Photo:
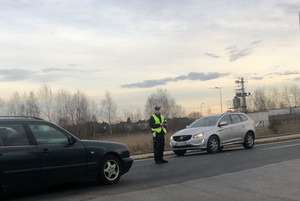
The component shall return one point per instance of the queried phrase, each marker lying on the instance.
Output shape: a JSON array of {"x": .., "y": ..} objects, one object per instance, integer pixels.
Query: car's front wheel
[
  {"x": 221, "y": 148},
  {"x": 213, "y": 145},
  {"x": 179, "y": 152},
  {"x": 109, "y": 170},
  {"x": 249, "y": 141}
]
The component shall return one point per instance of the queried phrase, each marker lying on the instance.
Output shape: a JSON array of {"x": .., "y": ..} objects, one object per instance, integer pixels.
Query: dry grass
[
  {"x": 140, "y": 143},
  {"x": 285, "y": 128}
]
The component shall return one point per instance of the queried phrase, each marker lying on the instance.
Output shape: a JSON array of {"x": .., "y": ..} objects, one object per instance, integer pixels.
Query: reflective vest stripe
[{"x": 156, "y": 119}]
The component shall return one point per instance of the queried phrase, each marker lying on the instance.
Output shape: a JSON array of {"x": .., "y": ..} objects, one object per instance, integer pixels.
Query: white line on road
[
  {"x": 292, "y": 145},
  {"x": 280, "y": 142}
]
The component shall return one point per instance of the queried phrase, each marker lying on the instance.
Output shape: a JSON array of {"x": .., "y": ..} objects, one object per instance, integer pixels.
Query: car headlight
[
  {"x": 199, "y": 135},
  {"x": 171, "y": 138}
]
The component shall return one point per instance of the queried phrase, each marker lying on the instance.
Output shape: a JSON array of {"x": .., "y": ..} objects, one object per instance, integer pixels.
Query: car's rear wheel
[
  {"x": 248, "y": 141},
  {"x": 213, "y": 145},
  {"x": 179, "y": 152},
  {"x": 109, "y": 170}
]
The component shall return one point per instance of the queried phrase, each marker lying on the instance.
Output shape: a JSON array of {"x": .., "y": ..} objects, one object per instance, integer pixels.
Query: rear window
[
  {"x": 13, "y": 135},
  {"x": 236, "y": 118},
  {"x": 243, "y": 117}
]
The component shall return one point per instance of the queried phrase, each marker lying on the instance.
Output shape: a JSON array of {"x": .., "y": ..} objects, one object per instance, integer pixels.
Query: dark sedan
[{"x": 34, "y": 152}]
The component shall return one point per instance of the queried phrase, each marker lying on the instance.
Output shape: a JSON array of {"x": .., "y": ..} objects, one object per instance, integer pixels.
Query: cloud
[
  {"x": 212, "y": 55},
  {"x": 49, "y": 70},
  {"x": 75, "y": 65},
  {"x": 236, "y": 53},
  {"x": 286, "y": 73},
  {"x": 15, "y": 74},
  {"x": 289, "y": 7},
  {"x": 257, "y": 78},
  {"x": 190, "y": 76},
  {"x": 46, "y": 74},
  {"x": 256, "y": 42},
  {"x": 42, "y": 75}
]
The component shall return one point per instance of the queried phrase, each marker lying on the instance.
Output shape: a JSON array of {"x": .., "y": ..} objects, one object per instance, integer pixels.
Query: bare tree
[
  {"x": 31, "y": 105},
  {"x": 15, "y": 105},
  {"x": 94, "y": 116},
  {"x": 2, "y": 107},
  {"x": 80, "y": 103},
  {"x": 295, "y": 92},
  {"x": 64, "y": 110},
  {"x": 286, "y": 96},
  {"x": 260, "y": 99},
  {"x": 133, "y": 113},
  {"x": 194, "y": 115},
  {"x": 46, "y": 101},
  {"x": 81, "y": 107},
  {"x": 273, "y": 99},
  {"x": 108, "y": 109},
  {"x": 177, "y": 111},
  {"x": 168, "y": 105}
]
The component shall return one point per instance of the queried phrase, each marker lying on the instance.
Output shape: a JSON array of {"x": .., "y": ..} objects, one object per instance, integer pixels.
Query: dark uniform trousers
[{"x": 158, "y": 146}]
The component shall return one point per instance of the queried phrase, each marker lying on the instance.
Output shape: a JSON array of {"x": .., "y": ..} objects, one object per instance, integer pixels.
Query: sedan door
[
  {"x": 19, "y": 160},
  {"x": 61, "y": 160}
]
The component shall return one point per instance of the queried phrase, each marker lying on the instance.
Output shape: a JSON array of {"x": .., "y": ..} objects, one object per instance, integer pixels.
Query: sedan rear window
[{"x": 13, "y": 135}]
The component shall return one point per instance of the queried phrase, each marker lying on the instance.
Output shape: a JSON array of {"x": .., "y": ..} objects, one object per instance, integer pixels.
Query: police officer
[{"x": 158, "y": 127}]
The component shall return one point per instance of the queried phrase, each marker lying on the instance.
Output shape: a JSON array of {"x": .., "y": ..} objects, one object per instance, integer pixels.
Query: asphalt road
[{"x": 267, "y": 172}]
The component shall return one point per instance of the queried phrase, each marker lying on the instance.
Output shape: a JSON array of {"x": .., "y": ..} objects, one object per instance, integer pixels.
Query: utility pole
[
  {"x": 244, "y": 106},
  {"x": 201, "y": 109},
  {"x": 220, "y": 97},
  {"x": 240, "y": 93}
]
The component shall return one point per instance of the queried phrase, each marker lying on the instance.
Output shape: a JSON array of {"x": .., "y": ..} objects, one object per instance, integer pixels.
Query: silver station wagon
[{"x": 213, "y": 132}]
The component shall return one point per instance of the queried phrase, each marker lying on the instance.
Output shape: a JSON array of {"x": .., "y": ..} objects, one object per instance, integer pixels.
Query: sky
[{"x": 130, "y": 48}]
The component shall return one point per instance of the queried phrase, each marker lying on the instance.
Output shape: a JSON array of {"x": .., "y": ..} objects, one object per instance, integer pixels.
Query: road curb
[{"x": 258, "y": 141}]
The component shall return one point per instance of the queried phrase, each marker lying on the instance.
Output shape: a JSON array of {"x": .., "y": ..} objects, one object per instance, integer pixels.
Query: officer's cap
[{"x": 157, "y": 107}]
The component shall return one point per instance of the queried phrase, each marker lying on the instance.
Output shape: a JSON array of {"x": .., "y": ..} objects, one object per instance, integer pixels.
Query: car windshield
[{"x": 205, "y": 122}]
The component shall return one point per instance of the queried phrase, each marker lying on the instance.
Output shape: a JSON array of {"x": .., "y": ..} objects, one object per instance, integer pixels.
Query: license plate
[{"x": 178, "y": 144}]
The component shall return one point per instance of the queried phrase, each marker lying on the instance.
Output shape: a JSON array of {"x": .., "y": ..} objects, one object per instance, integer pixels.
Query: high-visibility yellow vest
[{"x": 156, "y": 119}]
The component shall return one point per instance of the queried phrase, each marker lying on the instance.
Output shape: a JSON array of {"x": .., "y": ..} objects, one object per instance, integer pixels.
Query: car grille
[{"x": 182, "y": 138}]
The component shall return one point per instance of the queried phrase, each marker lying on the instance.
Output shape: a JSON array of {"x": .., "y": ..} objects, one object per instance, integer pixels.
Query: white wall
[{"x": 262, "y": 117}]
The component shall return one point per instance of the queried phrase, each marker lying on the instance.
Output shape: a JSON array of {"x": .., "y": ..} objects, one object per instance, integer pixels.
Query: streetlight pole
[{"x": 220, "y": 97}]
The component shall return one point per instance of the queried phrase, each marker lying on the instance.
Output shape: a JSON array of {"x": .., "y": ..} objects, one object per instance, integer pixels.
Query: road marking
[
  {"x": 280, "y": 142},
  {"x": 292, "y": 145}
]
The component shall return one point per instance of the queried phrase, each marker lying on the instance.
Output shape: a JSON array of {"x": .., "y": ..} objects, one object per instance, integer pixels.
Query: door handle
[{"x": 45, "y": 151}]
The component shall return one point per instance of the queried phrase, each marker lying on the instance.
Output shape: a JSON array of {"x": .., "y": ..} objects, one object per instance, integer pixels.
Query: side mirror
[
  {"x": 223, "y": 123},
  {"x": 187, "y": 126},
  {"x": 72, "y": 140}
]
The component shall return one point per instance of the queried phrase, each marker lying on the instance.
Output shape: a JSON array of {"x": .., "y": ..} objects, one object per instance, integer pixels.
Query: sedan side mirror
[
  {"x": 72, "y": 140},
  {"x": 223, "y": 123}
]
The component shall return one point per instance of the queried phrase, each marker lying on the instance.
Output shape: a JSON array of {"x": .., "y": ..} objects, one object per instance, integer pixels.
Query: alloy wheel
[{"x": 111, "y": 170}]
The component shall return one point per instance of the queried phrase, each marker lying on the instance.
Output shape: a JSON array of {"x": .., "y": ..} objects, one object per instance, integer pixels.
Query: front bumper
[
  {"x": 190, "y": 144},
  {"x": 126, "y": 164}
]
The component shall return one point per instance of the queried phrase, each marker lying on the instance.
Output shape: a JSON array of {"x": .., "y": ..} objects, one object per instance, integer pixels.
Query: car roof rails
[{"x": 21, "y": 117}]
